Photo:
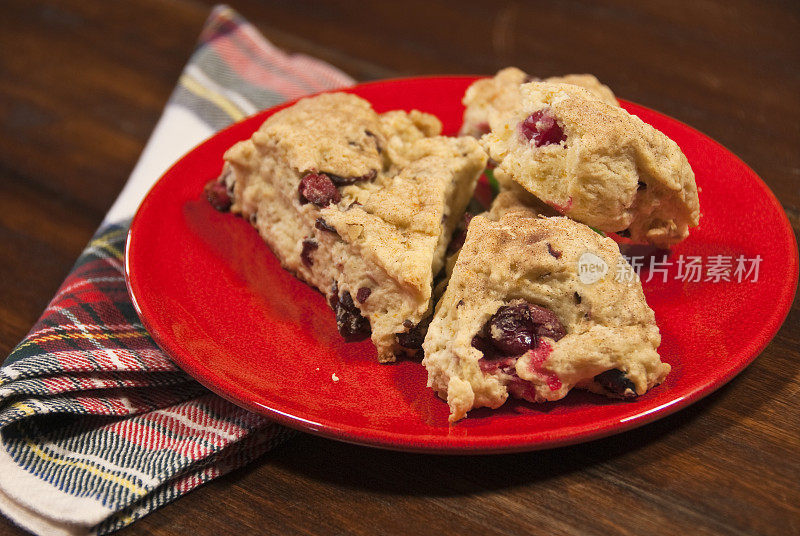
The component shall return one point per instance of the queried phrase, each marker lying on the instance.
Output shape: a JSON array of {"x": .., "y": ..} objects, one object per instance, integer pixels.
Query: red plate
[{"x": 214, "y": 297}]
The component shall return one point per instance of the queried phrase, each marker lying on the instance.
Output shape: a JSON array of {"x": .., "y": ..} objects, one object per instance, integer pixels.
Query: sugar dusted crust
[
  {"x": 608, "y": 323},
  {"x": 402, "y": 188},
  {"x": 500, "y": 94},
  {"x": 612, "y": 171}
]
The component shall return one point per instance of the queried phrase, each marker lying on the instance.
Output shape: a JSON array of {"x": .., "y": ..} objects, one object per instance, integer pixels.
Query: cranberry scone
[
  {"x": 359, "y": 205},
  {"x": 500, "y": 94},
  {"x": 596, "y": 163},
  {"x": 521, "y": 317}
]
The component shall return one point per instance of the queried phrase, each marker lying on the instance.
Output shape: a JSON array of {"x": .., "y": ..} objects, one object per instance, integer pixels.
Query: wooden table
[{"x": 83, "y": 83}]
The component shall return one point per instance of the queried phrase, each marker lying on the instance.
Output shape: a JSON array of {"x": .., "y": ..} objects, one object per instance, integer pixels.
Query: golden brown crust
[
  {"x": 609, "y": 325},
  {"x": 500, "y": 94},
  {"x": 389, "y": 231},
  {"x": 613, "y": 172}
]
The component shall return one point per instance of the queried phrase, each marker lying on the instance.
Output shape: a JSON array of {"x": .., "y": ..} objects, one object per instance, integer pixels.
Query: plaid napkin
[{"x": 97, "y": 426}]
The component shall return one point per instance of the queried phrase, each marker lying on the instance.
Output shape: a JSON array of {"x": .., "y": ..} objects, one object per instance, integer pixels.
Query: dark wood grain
[{"x": 83, "y": 83}]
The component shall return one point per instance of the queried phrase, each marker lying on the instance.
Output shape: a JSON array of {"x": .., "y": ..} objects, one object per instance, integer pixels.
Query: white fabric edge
[{"x": 75, "y": 515}]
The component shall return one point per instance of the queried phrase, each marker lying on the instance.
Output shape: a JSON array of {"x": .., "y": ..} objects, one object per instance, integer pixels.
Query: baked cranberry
[
  {"x": 542, "y": 128},
  {"x": 362, "y": 294},
  {"x": 318, "y": 189},
  {"x": 515, "y": 329},
  {"x": 616, "y": 382},
  {"x": 511, "y": 330},
  {"x": 546, "y": 323},
  {"x": 342, "y": 181},
  {"x": 322, "y": 225},
  {"x": 309, "y": 247},
  {"x": 460, "y": 236},
  {"x": 414, "y": 337},
  {"x": 217, "y": 194},
  {"x": 352, "y": 326},
  {"x": 504, "y": 364},
  {"x": 641, "y": 185},
  {"x": 554, "y": 252},
  {"x": 482, "y": 344},
  {"x": 334, "y": 299}
]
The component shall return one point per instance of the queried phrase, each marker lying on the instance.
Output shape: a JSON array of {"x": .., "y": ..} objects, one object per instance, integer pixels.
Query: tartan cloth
[{"x": 97, "y": 426}]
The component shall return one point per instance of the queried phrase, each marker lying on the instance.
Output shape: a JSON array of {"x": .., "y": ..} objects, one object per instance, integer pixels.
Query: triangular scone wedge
[
  {"x": 500, "y": 94},
  {"x": 536, "y": 306},
  {"x": 595, "y": 163},
  {"x": 361, "y": 206}
]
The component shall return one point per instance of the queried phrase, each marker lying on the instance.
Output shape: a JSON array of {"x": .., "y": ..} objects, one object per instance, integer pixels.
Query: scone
[
  {"x": 595, "y": 163},
  {"x": 501, "y": 94},
  {"x": 536, "y": 306},
  {"x": 359, "y": 205}
]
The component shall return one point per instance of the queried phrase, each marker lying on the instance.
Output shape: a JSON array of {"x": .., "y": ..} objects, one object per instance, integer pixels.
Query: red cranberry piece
[
  {"x": 352, "y": 326},
  {"x": 505, "y": 365},
  {"x": 546, "y": 323},
  {"x": 318, "y": 189},
  {"x": 217, "y": 194},
  {"x": 511, "y": 330},
  {"x": 554, "y": 252},
  {"x": 309, "y": 247},
  {"x": 414, "y": 337},
  {"x": 362, "y": 294},
  {"x": 542, "y": 128},
  {"x": 616, "y": 382}
]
